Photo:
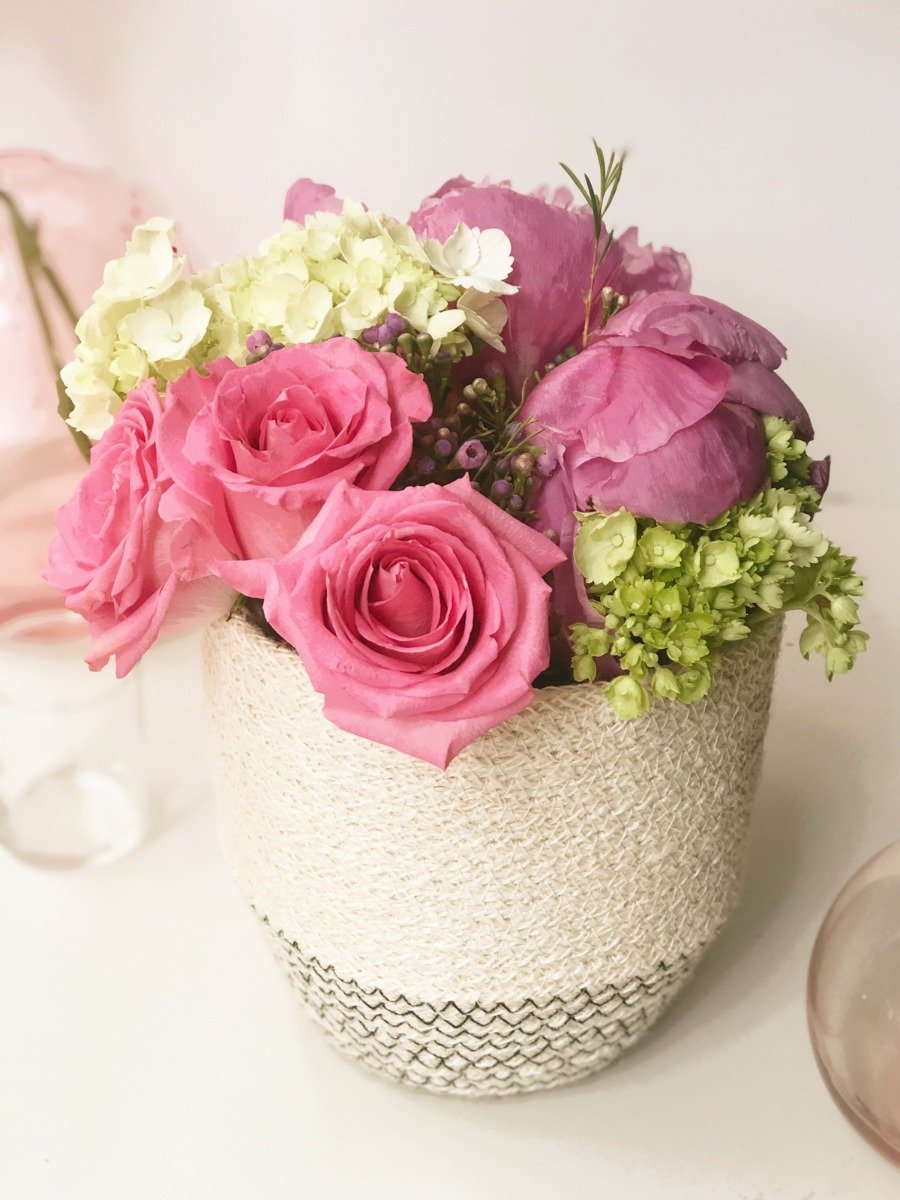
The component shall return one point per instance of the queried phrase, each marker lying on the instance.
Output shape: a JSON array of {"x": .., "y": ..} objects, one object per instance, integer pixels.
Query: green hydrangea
[
  {"x": 682, "y": 593},
  {"x": 605, "y": 545}
]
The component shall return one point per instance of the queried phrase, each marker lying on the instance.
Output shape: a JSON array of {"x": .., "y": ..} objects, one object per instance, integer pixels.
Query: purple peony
[
  {"x": 659, "y": 415},
  {"x": 552, "y": 246}
]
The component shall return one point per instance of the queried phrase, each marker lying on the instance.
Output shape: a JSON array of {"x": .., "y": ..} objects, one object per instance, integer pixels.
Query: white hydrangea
[
  {"x": 339, "y": 273},
  {"x": 146, "y": 320},
  {"x": 170, "y": 325}
]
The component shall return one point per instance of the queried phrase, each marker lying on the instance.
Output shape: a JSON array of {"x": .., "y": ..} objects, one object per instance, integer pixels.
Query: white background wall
[
  {"x": 763, "y": 139},
  {"x": 764, "y": 143}
]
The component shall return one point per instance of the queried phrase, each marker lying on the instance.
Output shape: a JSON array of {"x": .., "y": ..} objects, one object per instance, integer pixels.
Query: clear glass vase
[{"x": 73, "y": 785}]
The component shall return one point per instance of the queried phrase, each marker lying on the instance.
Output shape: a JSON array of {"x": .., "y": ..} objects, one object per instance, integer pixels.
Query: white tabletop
[{"x": 150, "y": 1050}]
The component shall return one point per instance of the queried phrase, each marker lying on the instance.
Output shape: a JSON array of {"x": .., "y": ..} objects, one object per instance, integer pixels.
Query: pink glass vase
[{"x": 853, "y": 1000}]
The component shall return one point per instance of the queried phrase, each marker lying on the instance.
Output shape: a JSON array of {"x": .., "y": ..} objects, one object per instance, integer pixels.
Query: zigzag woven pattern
[
  {"x": 476, "y": 1051},
  {"x": 562, "y": 855}
]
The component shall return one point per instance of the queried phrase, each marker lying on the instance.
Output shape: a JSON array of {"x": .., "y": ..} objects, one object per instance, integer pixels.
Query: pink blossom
[
  {"x": 420, "y": 615},
  {"x": 553, "y": 247},
  {"x": 128, "y": 572},
  {"x": 659, "y": 415},
  {"x": 687, "y": 325},
  {"x": 643, "y": 270},
  {"x": 261, "y": 447},
  {"x": 305, "y": 197}
]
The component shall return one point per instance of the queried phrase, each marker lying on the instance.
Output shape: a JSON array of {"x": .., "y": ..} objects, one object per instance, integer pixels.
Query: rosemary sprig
[{"x": 598, "y": 199}]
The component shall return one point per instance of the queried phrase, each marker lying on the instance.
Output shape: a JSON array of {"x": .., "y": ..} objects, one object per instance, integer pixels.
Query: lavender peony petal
[
  {"x": 681, "y": 323},
  {"x": 758, "y": 388},
  {"x": 644, "y": 270},
  {"x": 699, "y": 473},
  {"x": 450, "y": 187},
  {"x": 622, "y": 400},
  {"x": 552, "y": 244},
  {"x": 305, "y": 197},
  {"x": 820, "y": 474},
  {"x": 552, "y": 247}
]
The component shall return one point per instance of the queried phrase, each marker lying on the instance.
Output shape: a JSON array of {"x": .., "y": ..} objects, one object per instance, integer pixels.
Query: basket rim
[{"x": 768, "y": 628}]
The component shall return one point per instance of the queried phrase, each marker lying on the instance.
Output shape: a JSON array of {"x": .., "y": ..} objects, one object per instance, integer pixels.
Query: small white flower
[
  {"x": 485, "y": 316},
  {"x": 445, "y": 322},
  {"x": 94, "y": 404},
  {"x": 364, "y": 306},
  {"x": 474, "y": 258},
  {"x": 149, "y": 266},
  {"x": 264, "y": 303},
  {"x": 169, "y": 327},
  {"x": 308, "y": 313}
]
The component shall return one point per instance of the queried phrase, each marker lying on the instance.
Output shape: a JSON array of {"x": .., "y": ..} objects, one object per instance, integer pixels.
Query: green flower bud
[
  {"x": 628, "y": 697},
  {"x": 634, "y": 657},
  {"x": 797, "y": 526},
  {"x": 852, "y": 585},
  {"x": 636, "y": 597},
  {"x": 589, "y": 642},
  {"x": 838, "y": 660},
  {"x": 693, "y": 684},
  {"x": 734, "y": 631},
  {"x": 844, "y": 610},
  {"x": 813, "y": 640},
  {"x": 660, "y": 549},
  {"x": 657, "y": 639},
  {"x": 770, "y": 597},
  {"x": 584, "y": 669},
  {"x": 604, "y": 545},
  {"x": 665, "y": 684},
  {"x": 688, "y": 650},
  {"x": 717, "y": 563},
  {"x": 757, "y": 525},
  {"x": 856, "y": 642},
  {"x": 668, "y": 603}
]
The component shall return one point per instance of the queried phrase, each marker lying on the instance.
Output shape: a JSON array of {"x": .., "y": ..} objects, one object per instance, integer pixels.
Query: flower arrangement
[{"x": 449, "y": 461}]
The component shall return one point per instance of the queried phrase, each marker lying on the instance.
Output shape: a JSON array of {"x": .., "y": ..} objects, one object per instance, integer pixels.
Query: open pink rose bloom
[
  {"x": 421, "y": 615},
  {"x": 404, "y": 488}
]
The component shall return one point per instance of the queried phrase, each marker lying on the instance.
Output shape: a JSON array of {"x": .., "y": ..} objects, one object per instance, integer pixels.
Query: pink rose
[
  {"x": 263, "y": 446},
  {"x": 552, "y": 246},
  {"x": 659, "y": 415},
  {"x": 128, "y": 572},
  {"x": 420, "y": 615}
]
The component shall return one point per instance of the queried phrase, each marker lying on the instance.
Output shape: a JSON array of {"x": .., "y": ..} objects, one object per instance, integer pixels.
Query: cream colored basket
[{"x": 514, "y": 922}]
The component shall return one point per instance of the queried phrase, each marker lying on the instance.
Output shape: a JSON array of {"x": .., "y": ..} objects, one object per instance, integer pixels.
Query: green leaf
[{"x": 579, "y": 185}]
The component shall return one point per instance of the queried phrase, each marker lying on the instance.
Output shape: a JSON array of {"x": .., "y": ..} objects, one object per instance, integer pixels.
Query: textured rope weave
[
  {"x": 474, "y": 1051},
  {"x": 564, "y": 863}
]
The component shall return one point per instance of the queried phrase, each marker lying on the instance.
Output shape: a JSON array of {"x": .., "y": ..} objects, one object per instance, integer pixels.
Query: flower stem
[
  {"x": 34, "y": 265},
  {"x": 589, "y": 296}
]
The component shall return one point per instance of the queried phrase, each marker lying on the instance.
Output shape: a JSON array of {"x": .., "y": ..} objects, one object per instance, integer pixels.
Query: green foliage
[
  {"x": 598, "y": 198},
  {"x": 672, "y": 596},
  {"x": 488, "y": 415}
]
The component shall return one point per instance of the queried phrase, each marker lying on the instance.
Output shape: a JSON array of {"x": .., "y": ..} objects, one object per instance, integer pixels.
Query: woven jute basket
[{"x": 510, "y": 924}]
